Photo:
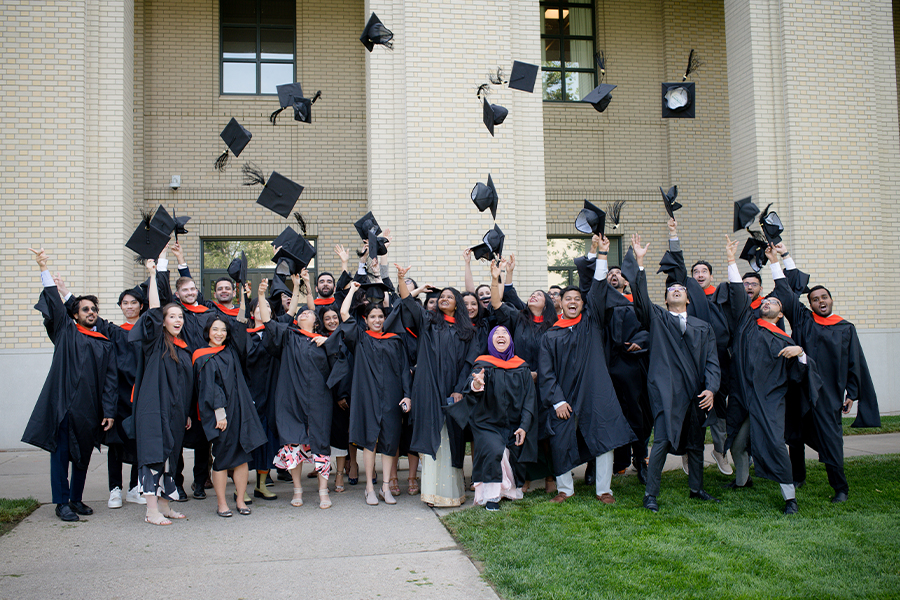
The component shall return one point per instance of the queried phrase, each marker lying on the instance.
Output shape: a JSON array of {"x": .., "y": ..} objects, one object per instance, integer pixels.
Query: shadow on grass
[{"x": 741, "y": 548}]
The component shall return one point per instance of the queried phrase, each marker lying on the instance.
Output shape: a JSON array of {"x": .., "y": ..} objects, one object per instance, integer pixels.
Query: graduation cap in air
[
  {"x": 590, "y": 220},
  {"x": 491, "y": 246},
  {"x": 522, "y": 76},
  {"x": 376, "y": 33},
  {"x": 290, "y": 95},
  {"x": 744, "y": 213},
  {"x": 279, "y": 287},
  {"x": 375, "y": 291},
  {"x": 493, "y": 114},
  {"x": 669, "y": 200},
  {"x": 368, "y": 229},
  {"x": 600, "y": 96},
  {"x": 678, "y": 98},
  {"x": 614, "y": 212},
  {"x": 152, "y": 234},
  {"x": 236, "y": 137},
  {"x": 180, "y": 222},
  {"x": 279, "y": 194},
  {"x": 237, "y": 270},
  {"x": 485, "y": 196},
  {"x": 754, "y": 252},
  {"x": 630, "y": 267},
  {"x": 293, "y": 256},
  {"x": 771, "y": 225}
]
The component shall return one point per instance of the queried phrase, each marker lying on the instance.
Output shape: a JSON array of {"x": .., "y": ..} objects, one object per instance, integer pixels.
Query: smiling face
[
  {"x": 173, "y": 321},
  {"x": 701, "y": 275},
  {"x": 375, "y": 320},
  {"x": 447, "y": 302},
  {"x": 330, "y": 320},
  {"x": 218, "y": 332},
  {"x": 501, "y": 339},
  {"x": 820, "y": 302},
  {"x": 536, "y": 301},
  {"x": 572, "y": 304},
  {"x": 187, "y": 293},
  {"x": 131, "y": 308},
  {"x": 224, "y": 292},
  {"x": 325, "y": 286},
  {"x": 484, "y": 295},
  {"x": 307, "y": 320},
  {"x": 87, "y": 314},
  {"x": 431, "y": 304},
  {"x": 471, "y": 306}
]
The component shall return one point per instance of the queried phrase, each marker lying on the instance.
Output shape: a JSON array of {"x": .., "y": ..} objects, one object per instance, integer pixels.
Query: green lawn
[
  {"x": 14, "y": 510},
  {"x": 741, "y": 548},
  {"x": 889, "y": 424}
]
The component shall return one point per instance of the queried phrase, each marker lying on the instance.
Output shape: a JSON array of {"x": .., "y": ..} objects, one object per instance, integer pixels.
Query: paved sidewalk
[{"x": 348, "y": 551}]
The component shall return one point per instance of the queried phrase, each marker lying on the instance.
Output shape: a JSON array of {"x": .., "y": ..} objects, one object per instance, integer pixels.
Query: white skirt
[{"x": 442, "y": 485}]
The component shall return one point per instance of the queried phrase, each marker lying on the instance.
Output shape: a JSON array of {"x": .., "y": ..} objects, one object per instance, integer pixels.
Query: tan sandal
[
  {"x": 413, "y": 485},
  {"x": 324, "y": 499},
  {"x": 297, "y": 500},
  {"x": 394, "y": 486},
  {"x": 160, "y": 520},
  {"x": 171, "y": 514}
]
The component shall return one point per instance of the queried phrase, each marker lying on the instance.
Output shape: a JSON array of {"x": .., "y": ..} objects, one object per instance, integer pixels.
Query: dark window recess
[
  {"x": 567, "y": 38},
  {"x": 258, "y": 45}
]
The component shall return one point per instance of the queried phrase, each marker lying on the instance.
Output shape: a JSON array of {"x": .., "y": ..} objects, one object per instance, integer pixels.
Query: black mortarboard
[
  {"x": 279, "y": 287},
  {"x": 678, "y": 100},
  {"x": 368, "y": 229},
  {"x": 522, "y": 76},
  {"x": 237, "y": 270},
  {"x": 279, "y": 194},
  {"x": 771, "y": 225},
  {"x": 491, "y": 246},
  {"x": 754, "y": 252},
  {"x": 284, "y": 237},
  {"x": 375, "y": 291},
  {"x": 236, "y": 137},
  {"x": 600, "y": 96},
  {"x": 376, "y": 33},
  {"x": 485, "y": 196},
  {"x": 180, "y": 222},
  {"x": 744, "y": 213},
  {"x": 493, "y": 114},
  {"x": 303, "y": 108},
  {"x": 630, "y": 267},
  {"x": 669, "y": 200},
  {"x": 590, "y": 220},
  {"x": 668, "y": 263},
  {"x": 152, "y": 234},
  {"x": 293, "y": 256},
  {"x": 287, "y": 93},
  {"x": 291, "y": 95}
]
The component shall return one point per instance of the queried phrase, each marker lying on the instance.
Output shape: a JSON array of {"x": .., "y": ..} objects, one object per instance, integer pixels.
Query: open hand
[
  {"x": 342, "y": 253},
  {"x": 706, "y": 399},
  {"x": 41, "y": 257},
  {"x": 730, "y": 249},
  {"x": 401, "y": 272},
  {"x": 478, "y": 381}
]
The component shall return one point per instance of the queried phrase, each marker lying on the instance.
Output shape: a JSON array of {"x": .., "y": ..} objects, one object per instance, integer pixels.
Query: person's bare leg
[
  {"x": 220, "y": 482},
  {"x": 153, "y": 515},
  {"x": 324, "y": 499},
  {"x": 241, "y": 473},
  {"x": 369, "y": 459},
  {"x": 166, "y": 510},
  {"x": 386, "y": 462},
  {"x": 353, "y": 472},
  {"x": 412, "y": 477},
  {"x": 340, "y": 461},
  {"x": 297, "y": 500}
]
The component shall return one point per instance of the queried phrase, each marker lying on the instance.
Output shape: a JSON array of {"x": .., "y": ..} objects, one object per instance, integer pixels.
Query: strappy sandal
[
  {"x": 413, "y": 485},
  {"x": 162, "y": 521},
  {"x": 324, "y": 500},
  {"x": 297, "y": 500},
  {"x": 394, "y": 486},
  {"x": 171, "y": 514}
]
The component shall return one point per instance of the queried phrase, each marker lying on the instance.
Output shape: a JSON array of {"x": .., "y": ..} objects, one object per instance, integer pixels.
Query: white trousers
[{"x": 566, "y": 483}]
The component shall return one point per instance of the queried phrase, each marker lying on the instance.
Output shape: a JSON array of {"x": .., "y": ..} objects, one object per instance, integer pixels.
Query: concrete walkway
[{"x": 348, "y": 551}]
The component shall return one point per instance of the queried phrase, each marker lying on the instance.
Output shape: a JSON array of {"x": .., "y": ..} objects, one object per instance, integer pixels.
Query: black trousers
[
  {"x": 201, "y": 466},
  {"x": 836, "y": 477},
  {"x": 633, "y": 453},
  {"x": 59, "y": 469},
  {"x": 658, "y": 454},
  {"x": 114, "y": 461}
]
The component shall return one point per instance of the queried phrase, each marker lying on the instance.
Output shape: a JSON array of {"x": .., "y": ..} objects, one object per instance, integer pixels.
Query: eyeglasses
[
  {"x": 751, "y": 284},
  {"x": 89, "y": 309},
  {"x": 674, "y": 288}
]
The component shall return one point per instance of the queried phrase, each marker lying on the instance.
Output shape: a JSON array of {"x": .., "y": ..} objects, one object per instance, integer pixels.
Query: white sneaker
[
  {"x": 134, "y": 497},
  {"x": 684, "y": 464},
  {"x": 722, "y": 463},
  {"x": 115, "y": 498}
]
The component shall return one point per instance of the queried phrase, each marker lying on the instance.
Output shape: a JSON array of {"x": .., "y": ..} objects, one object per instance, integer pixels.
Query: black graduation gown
[
  {"x": 81, "y": 384},
  {"x": 762, "y": 380},
  {"x": 508, "y": 402},
  {"x": 842, "y": 366},
  {"x": 443, "y": 364},
  {"x": 262, "y": 375},
  {"x": 572, "y": 368},
  {"x": 163, "y": 390},
  {"x": 219, "y": 377},
  {"x": 303, "y": 401},
  {"x": 381, "y": 379},
  {"x": 681, "y": 366},
  {"x": 340, "y": 381}
]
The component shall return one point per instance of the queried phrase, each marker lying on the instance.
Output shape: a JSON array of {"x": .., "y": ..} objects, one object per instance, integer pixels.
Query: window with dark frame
[
  {"x": 561, "y": 254},
  {"x": 568, "y": 70},
  {"x": 257, "y": 45}
]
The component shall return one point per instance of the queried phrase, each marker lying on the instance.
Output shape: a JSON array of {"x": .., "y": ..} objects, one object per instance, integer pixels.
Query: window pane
[
  {"x": 550, "y": 21},
  {"x": 238, "y": 11},
  {"x": 579, "y": 22},
  {"x": 559, "y": 278},
  {"x": 278, "y": 12},
  {"x": 277, "y": 44},
  {"x": 579, "y": 54},
  {"x": 218, "y": 254},
  {"x": 239, "y": 42},
  {"x": 552, "y": 84},
  {"x": 578, "y": 85},
  {"x": 274, "y": 74},
  {"x": 561, "y": 252},
  {"x": 550, "y": 54},
  {"x": 238, "y": 78}
]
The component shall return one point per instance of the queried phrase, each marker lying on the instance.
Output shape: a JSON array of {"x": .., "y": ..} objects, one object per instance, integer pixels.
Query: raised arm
[
  {"x": 642, "y": 305},
  {"x": 50, "y": 305},
  {"x": 265, "y": 310},
  {"x": 470, "y": 282},
  {"x": 401, "y": 281},
  {"x": 152, "y": 290},
  {"x": 738, "y": 301},
  {"x": 496, "y": 294},
  {"x": 310, "y": 296},
  {"x": 295, "y": 296},
  {"x": 345, "y": 307}
]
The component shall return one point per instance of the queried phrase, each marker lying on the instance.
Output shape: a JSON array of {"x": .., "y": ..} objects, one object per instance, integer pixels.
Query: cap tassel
[
  {"x": 139, "y": 260},
  {"x": 222, "y": 161},
  {"x": 275, "y": 114},
  {"x": 614, "y": 212},
  {"x": 300, "y": 221},
  {"x": 694, "y": 63},
  {"x": 496, "y": 77},
  {"x": 483, "y": 89},
  {"x": 600, "y": 58},
  {"x": 253, "y": 175},
  {"x": 316, "y": 97}
]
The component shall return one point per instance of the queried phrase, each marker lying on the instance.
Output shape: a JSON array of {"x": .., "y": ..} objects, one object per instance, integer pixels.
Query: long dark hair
[
  {"x": 482, "y": 311},
  {"x": 549, "y": 313},
  {"x": 320, "y": 314},
  {"x": 318, "y": 327},
  {"x": 167, "y": 337},
  {"x": 211, "y": 323},
  {"x": 463, "y": 323}
]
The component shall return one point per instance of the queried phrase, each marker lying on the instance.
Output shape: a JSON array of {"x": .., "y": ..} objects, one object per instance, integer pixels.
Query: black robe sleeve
[{"x": 511, "y": 296}]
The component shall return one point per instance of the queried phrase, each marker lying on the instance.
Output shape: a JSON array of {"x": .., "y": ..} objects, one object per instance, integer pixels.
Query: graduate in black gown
[
  {"x": 303, "y": 401},
  {"x": 227, "y": 413},
  {"x": 682, "y": 379},
  {"x": 163, "y": 390},
  {"x": 381, "y": 388},
  {"x": 339, "y": 381},
  {"x": 446, "y": 344},
  {"x": 500, "y": 405},
  {"x": 78, "y": 400},
  {"x": 586, "y": 418},
  {"x": 766, "y": 363},
  {"x": 482, "y": 321},
  {"x": 528, "y": 325},
  {"x": 833, "y": 343}
]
